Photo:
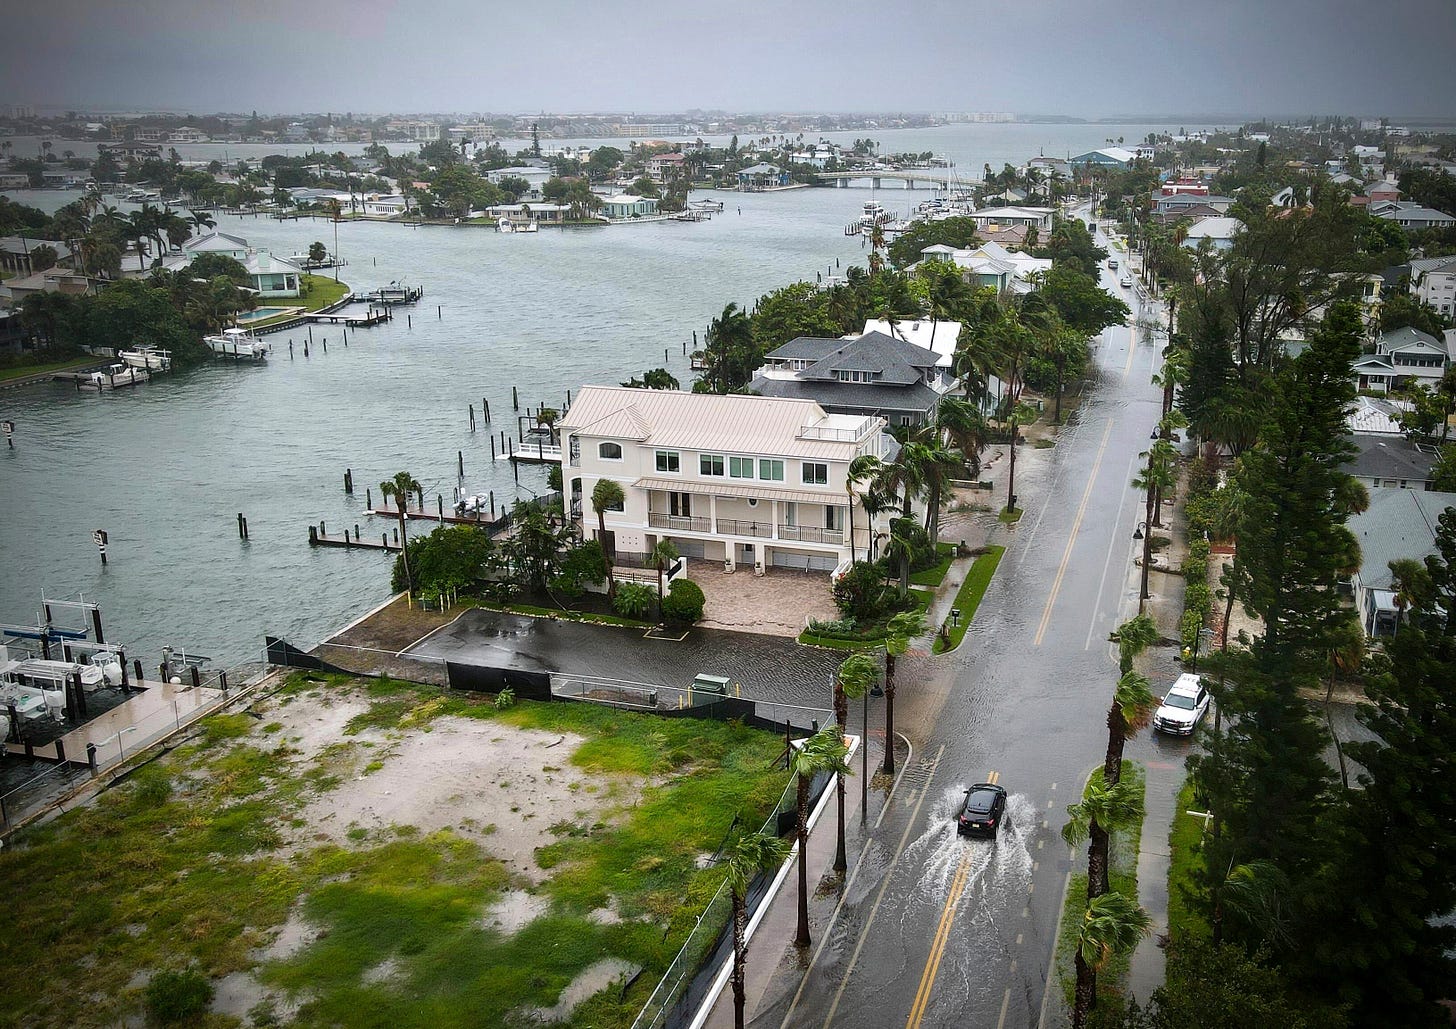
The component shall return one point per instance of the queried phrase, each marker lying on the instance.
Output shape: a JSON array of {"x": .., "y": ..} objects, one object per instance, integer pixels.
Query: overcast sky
[{"x": 1089, "y": 58}]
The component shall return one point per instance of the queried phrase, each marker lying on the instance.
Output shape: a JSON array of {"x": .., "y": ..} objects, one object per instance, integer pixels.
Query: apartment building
[{"x": 746, "y": 480}]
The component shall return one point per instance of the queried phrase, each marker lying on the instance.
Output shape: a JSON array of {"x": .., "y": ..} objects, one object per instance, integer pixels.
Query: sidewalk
[
  {"x": 771, "y": 943},
  {"x": 1165, "y": 772}
]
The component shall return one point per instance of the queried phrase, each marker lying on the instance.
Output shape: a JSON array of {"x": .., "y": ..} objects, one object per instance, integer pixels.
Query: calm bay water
[{"x": 166, "y": 467}]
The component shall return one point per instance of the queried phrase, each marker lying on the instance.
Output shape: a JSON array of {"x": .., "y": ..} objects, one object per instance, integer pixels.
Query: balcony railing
[
  {"x": 743, "y": 527},
  {"x": 682, "y": 523},
  {"x": 810, "y": 534}
]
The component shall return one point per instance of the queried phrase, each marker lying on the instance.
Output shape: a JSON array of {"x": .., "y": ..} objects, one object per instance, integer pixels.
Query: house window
[
  {"x": 609, "y": 451},
  {"x": 681, "y": 504},
  {"x": 667, "y": 461},
  {"x": 815, "y": 474},
  {"x": 740, "y": 468},
  {"x": 770, "y": 470},
  {"x": 710, "y": 464},
  {"x": 831, "y": 517}
]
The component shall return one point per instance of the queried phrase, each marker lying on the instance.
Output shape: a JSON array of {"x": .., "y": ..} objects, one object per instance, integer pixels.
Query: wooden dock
[
  {"x": 388, "y": 295},
  {"x": 420, "y": 514},
  {"x": 353, "y": 321},
  {"x": 317, "y": 538}
]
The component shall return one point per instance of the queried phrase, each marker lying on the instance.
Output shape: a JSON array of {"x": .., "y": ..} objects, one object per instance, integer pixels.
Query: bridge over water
[{"x": 913, "y": 178}]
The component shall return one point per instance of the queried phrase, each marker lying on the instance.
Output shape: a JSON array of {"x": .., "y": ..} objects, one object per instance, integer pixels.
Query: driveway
[{"x": 774, "y": 604}]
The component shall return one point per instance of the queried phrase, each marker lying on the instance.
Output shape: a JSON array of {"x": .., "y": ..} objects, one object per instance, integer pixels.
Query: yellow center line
[
  {"x": 942, "y": 933},
  {"x": 1046, "y": 615}
]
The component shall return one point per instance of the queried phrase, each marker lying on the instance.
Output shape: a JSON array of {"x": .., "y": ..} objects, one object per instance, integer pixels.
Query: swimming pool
[{"x": 260, "y": 313}]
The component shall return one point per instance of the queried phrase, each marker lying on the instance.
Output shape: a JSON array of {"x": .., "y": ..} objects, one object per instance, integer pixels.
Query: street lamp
[{"x": 1142, "y": 532}]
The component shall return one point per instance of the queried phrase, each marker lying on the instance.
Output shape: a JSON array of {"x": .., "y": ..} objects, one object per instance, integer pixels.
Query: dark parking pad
[{"x": 770, "y": 668}]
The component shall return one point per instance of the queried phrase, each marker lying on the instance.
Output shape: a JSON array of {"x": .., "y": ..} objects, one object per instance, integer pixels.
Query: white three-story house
[{"x": 747, "y": 480}]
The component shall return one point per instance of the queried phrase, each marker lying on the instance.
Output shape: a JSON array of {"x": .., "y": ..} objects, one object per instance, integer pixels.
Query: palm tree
[
  {"x": 822, "y": 752},
  {"x": 1103, "y": 810},
  {"x": 1132, "y": 708},
  {"x": 898, "y": 549},
  {"x": 1163, "y": 457},
  {"x": 400, "y": 487},
  {"x": 607, "y": 496},
  {"x": 1133, "y": 637},
  {"x": 1251, "y": 893},
  {"x": 201, "y": 220},
  {"x": 865, "y": 468},
  {"x": 856, "y": 676},
  {"x": 965, "y": 429},
  {"x": 752, "y": 854},
  {"x": 1112, "y": 925},
  {"x": 663, "y": 554},
  {"x": 903, "y": 628}
]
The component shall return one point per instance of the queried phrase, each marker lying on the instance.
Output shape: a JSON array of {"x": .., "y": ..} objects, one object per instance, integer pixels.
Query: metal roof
[
  {"x": 1400, "y": 523},
  {"x": 1390, "y": 457},
  {"x": 709, "y": 422}
]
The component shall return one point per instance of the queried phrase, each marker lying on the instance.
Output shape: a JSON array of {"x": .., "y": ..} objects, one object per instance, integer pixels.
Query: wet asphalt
[{"x": 941, "y": 931}]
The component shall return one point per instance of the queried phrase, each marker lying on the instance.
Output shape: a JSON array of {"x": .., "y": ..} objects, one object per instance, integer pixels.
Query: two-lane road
[{"x": 936, "y": 930}]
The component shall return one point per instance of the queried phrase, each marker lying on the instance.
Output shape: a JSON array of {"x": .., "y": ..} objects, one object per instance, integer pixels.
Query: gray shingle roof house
[
  {"x": 874, "y": 374},
  {"x": 1391, "y": 462},
  {"x": 1399, "y": 523},
  {"x": 1410, "y": 215}
]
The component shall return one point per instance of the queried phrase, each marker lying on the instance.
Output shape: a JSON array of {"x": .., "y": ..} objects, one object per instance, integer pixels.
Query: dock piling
[
  {"x": 396, "y": 536},
  {"x": 137, "y": 665},
  {"x": 409, "y": 321},
  {"x": 91, "y": 759},
  {"x": 310, "y": 337},
  {"x": 242, "y": 527},
  {"x": 326, "y": 344},
  {"x": 492, "y": 505},
  {"x": 356, "y": 530},
  {"x": 440, "y": 312},
  {"x": 290, "y": 350},
  {"x": 515, "y": 400},
  {"x": 472, "y": 417},
  {"x": 460, "y": 461},
  {"x": 440, "y": 507},
  {"x": 485, "y": 409},
  {"x": 349, "y": 481},
  {"x": 492, "y": 448}
]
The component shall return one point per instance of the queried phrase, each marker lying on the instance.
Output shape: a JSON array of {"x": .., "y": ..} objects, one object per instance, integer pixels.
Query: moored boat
[
  {"x": 148, "y": 358},
  {"x": 238, "y": 343},
  {"x": 114, "y": 377}
]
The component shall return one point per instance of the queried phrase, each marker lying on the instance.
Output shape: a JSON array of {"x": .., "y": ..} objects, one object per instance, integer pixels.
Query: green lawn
[
  {"x": 1122, "y": 878},
  {"x": 1185, "y": 845},
  {"x": 188, "y": 863},
  {"x": 1010, "y": 517},
  {"x": 935, "y": 575},
  {"x": 21, "y": 370},
  {"x": 968, "y": 597},
  {"x": 321, "y": 291}
]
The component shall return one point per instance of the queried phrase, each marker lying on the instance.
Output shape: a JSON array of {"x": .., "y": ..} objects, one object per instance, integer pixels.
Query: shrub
[
  {"x": 505, "y": 698},
  {"x": 633, "y": 600},
  {"x": 858, "y": 592},
  {"x": 684, "y": 602},
  {"x": 177, "y": 997}
]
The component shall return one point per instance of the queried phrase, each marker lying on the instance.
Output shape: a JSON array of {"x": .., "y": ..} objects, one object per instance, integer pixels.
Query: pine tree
[
  {"x": 1265, "y": 774},
  {"x": 1378, "y": 946}
]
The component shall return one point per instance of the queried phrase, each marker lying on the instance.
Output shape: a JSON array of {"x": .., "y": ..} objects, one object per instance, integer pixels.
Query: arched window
[{"x": 609, "y": 451}]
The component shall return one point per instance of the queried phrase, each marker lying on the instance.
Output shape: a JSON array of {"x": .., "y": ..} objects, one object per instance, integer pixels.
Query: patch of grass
[
  {"x": 571, "y": 616},
  {"x": 1185, "y": 845},
  {"x": 810, "y": 640},
  {"x": 1044, "y": 443},
  {"x": 189, "y": 851},
  {"x": 968, "y": 597},
  {"x": 1010, "y": 517},
  {"x": 935, "y": 575},
  {"x": 21, "y": 370},
  {"x": 321, "y": 291},
  {"x": 1121, "y": 878}
]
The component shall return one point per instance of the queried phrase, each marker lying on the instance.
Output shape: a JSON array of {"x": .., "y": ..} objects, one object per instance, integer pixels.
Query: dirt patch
[
  {"x": 484, "y": 779},
  {"x": 395, "y": 627},
  {"x": 514, "y": 910}
]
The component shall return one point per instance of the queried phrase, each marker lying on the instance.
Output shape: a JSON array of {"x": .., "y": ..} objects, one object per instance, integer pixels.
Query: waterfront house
[
  {"x": 1385, "y": 461},
  {"x": 625, "y": 205},
  {"x": 224, "y": 243},
  {"x": 1399, "y": 523},
  {"x": 661, "y": 167},
  {"x": 873, "y": 374},
  {"x": 14, "y": 180},
  {"x": 1106, "y": 157},
  {"x": 546, "y": 214},
  {"x": 1433, "y": 281},
  {"x": 272, "y": 277},
  {"x": 991, "y": 264},
  {"x": 756, "y": 481},
  {"x": 388, "y": 206},
  {"x": 1410, "y": 215},
  {"x": 762, "y": 176}
]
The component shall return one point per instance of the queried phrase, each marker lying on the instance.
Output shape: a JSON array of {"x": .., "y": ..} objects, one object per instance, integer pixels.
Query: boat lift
[{"x": 47, "y": 632}]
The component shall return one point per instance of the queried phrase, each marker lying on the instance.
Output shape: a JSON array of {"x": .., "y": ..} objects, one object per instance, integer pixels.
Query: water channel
[{"x": 166, "y": 467}]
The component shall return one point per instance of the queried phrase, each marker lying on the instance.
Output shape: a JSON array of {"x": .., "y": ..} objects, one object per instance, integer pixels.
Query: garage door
[
  {"x": 697, "y": 549},
  {"x": 810, "y": 562}
]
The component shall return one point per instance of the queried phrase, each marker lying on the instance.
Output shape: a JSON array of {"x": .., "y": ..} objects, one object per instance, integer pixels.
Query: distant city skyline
[{"x": 1059, "y": 57}]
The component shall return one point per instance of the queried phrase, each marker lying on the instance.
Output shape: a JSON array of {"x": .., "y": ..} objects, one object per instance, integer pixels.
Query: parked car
[
  {"x": 1185, "y": 703},
  {"x": 983, "y": 812}
]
